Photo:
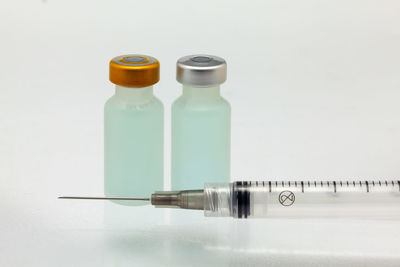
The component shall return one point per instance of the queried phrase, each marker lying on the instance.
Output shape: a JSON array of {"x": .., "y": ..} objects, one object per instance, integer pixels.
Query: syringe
[{"x": 284, "y": 199}]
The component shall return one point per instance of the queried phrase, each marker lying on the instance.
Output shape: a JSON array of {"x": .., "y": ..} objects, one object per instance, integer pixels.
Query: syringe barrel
[{"x": 304, "y": 199}]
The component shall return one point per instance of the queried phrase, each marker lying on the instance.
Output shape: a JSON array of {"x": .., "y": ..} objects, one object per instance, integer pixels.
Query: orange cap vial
[{"x": 134, "y": 70}]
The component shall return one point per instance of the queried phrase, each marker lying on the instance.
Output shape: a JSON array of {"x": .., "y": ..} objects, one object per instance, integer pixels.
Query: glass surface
[
  {"x": 200, "y": 138},
  {"x": 133, "y": 144}
]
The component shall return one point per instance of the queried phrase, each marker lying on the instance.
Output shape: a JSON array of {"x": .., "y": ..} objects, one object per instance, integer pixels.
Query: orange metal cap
[{"x": 134, "y": 70}]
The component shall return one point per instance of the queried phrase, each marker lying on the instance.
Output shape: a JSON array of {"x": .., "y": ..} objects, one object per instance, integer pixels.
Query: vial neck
[
  {"x": 134, "y": 95},
  {"x": 201, "y": 93}
]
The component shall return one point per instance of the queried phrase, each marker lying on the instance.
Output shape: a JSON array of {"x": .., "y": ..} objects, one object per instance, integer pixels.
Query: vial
[
  {"x": 200, "y": 124},
  {"x": 133, "y": 130}
]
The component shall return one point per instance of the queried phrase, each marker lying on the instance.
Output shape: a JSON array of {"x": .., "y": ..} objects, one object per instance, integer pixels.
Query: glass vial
[
  {"x": 200, "y": 124},
  {"x": 133, "y": 130}
]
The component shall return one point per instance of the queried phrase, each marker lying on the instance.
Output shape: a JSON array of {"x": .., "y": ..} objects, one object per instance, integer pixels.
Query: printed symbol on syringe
[{"x": 286, "y": 198}]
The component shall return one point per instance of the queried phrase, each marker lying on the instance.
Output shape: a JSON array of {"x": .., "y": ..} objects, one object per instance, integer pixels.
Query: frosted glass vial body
[
  {"x": 133, "y": 144},
  {"x": 200, "y": 148}
]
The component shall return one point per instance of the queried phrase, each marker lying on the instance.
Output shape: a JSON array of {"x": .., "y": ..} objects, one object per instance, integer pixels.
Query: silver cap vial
[{"x": 201, "y": 70}]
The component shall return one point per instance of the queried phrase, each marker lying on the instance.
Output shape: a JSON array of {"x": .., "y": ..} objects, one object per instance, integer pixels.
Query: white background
[{"x": 314, "y": 88}]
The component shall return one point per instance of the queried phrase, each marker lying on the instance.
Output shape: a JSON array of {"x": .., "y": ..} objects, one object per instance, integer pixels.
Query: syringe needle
[{"x": 105, "y": 198}]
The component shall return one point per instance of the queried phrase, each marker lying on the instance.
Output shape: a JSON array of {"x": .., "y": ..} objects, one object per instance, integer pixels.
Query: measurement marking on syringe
[{"x": 334, "y": 185}]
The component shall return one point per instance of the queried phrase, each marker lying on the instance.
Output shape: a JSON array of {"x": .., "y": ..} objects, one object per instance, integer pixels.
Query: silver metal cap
[{"x": 201, "y": 70}]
